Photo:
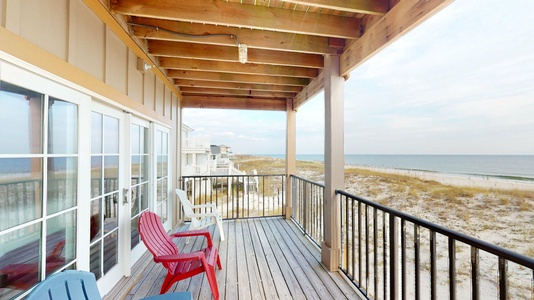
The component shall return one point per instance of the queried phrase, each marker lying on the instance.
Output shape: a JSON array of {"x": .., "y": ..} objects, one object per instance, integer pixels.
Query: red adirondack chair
[{"x": 179, "y": 266}]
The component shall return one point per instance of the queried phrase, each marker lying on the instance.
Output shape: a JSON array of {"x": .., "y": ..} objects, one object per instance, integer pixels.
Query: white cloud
[{"x": 462, "y": 82}]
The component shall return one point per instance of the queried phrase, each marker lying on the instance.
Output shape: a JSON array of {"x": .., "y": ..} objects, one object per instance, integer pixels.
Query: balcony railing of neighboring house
[
  {"x": 308, "y": 207},
  {"x": 196, "y": 170},
  {"x": 390, "y": 254},
  {"x": 196, "y": 143},
  {"x": 239, "y": 196}
]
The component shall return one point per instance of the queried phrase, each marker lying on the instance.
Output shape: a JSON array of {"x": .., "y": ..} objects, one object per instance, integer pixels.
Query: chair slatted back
[
  {"x": 67, "y": 285},
  {"x": 156, "y": 238},
  {"x": 187, "y": 207}
]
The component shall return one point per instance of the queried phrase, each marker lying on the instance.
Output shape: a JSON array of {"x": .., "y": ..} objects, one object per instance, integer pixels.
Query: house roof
[
  {"x": 194, "y": 44},
  {"x": 215, "y": 149}
]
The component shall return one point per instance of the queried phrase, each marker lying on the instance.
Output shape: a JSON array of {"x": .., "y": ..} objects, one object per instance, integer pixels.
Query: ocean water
[{"x": 516, "y": 167}]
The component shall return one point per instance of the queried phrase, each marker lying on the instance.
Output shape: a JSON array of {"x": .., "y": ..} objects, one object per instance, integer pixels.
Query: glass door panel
[
  {"x": 140, "y": 179},
  {"x": 105, "y": 193},
  {"x": 161, "y": 153},
  {"x": 38, "y": 183}
]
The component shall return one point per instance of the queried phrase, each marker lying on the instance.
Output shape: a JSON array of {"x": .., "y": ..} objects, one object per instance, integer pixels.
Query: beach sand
[
  {"x": 463, "y": 180},
  {"x": 498, "y": 211}
]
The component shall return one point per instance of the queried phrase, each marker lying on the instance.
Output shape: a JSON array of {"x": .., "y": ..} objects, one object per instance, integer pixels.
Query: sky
[{"x": 460, "y": 83}]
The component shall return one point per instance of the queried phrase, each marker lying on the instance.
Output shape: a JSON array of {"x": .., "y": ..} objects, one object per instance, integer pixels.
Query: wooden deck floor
[{"x": 265, "y": 258}]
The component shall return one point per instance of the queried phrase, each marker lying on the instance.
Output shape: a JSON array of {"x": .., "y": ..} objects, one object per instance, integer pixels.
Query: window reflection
[
  {"x": 144, "y": 196},
  {"x": 28, "y": 253},
  {"x": 111, "y": 212},
  {"x": 96, "y": 220},
  {"x": 111, "y": 135},
  {"x": 62, "y": 127},
  {"x": 134, "y": 235},
  {"x": 95, "y": 259},
  {"x": 21, "y": 194},
  {"x": 96, "y": 133},
  {"x": 111, "y": 174},
  {"x": 96, "y": 176},
  {"x": 21, "y": 271},
  {"x": 60, "y": 241},
  {"x": 62, "y": 183},
  {"x": 110, "y": 251},
  {"x": 21, "y": 112}
]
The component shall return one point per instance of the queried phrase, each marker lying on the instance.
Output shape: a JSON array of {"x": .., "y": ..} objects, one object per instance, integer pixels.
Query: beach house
[
  {"x": 91, "y": 99},
  {"x": 196, "y": 153}
]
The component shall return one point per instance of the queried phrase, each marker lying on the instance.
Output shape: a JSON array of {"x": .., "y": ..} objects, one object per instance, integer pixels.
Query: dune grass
[{"x": 476, "y": 211}]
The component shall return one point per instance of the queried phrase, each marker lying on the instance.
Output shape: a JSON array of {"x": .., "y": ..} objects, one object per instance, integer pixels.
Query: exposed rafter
[
  {"x": 238, "y": 85},
  {"x": 194, "y": 43},
  {"x": 372, "y": 7},
  {"x": 234, "y": 103},
  {"x": 229, "y": 77},
  {"x": 217, "y": 12},
  {"x": 229, "y": 54},
  {"x": 255, "y": 39},
  {"x": 233, "y": 67},
  {"x": 236, "y": 92}
]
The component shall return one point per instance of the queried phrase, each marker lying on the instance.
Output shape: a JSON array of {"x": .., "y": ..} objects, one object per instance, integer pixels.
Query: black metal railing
[
  {"x": 308, "y": 207},
  {"x": 239, "y": 196},
  {"x": 390, "y": 254}
]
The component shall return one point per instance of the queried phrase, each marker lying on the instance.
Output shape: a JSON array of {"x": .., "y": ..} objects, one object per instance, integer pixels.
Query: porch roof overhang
[{"x": 192, "y": 45}]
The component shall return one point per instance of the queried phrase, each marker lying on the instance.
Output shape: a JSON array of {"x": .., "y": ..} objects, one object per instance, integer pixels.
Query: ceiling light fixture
[
  {"x": 242, "y": 48},
  {"x": 142, "y": 66}
]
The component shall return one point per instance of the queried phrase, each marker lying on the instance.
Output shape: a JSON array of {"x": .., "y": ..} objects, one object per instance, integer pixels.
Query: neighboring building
[
  {"x": 195, "y": 154},
  {"x": 221, "y": 163}
]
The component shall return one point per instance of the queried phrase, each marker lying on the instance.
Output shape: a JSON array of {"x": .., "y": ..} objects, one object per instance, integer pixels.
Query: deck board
[{"x": 265, "y": 258}]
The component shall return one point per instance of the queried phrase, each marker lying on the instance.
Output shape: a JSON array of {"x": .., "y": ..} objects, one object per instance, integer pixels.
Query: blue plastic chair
[
  {"x": 80, "y": 285},
  {"x": 67, "y": 285}
]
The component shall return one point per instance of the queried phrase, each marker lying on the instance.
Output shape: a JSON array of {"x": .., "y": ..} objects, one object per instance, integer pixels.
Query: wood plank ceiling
[{"x": 193, "y": 43}]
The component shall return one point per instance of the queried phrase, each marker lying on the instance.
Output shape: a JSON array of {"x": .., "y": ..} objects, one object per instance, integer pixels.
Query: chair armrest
[
  {"x": 211, "y": 206},
  {"x": 212, "y": 214},
  {"x": 179, "y": 257},
  {"x": 194, "y": 233}
]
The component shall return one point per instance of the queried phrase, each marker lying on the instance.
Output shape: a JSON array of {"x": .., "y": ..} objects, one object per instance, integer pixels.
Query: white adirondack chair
[{"x": 210, "y": 216}]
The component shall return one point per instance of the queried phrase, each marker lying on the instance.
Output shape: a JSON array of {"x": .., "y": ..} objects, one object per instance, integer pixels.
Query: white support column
[
  {"x": 334, "y": 161},
  {"x": 291, "y": 155}
]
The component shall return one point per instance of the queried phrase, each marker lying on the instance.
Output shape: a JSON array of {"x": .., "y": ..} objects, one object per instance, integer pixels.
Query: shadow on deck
[{"x": 267, "y": 258}]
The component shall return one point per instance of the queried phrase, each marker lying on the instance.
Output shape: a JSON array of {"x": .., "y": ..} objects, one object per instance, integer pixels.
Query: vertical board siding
[
  {"x": 135, "y": 79},
  {"x": 46, "y": 25},
  {"x": 149, "y": 93},
  {"x": 89, "y": 46},
  {"x": 116, "y": 62},
  {"x": 160, "y": 97}
]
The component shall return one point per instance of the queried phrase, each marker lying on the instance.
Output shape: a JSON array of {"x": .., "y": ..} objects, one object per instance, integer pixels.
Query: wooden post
[
  {"x": 334, "y": 161},
  {"x": 291, "y": 155}
]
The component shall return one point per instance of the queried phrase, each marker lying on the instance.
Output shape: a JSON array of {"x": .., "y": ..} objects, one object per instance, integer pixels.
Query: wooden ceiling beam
[
  {"x": 232, "y": 67},
  {"x": 221, "y": 13},
  {"x": 230, "y": 54},
  {"x": 233, "y": 103},
  {"x": 259, "y": 39},
  {"x": 236, "y": 85},
  {"x": 229, "y": 77},
  {"x": 372, "y": 7},
  {"x": 402, "y": 17},
  {"x": 230, "y": 92},
  {"x": 310, "y": 91}
]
